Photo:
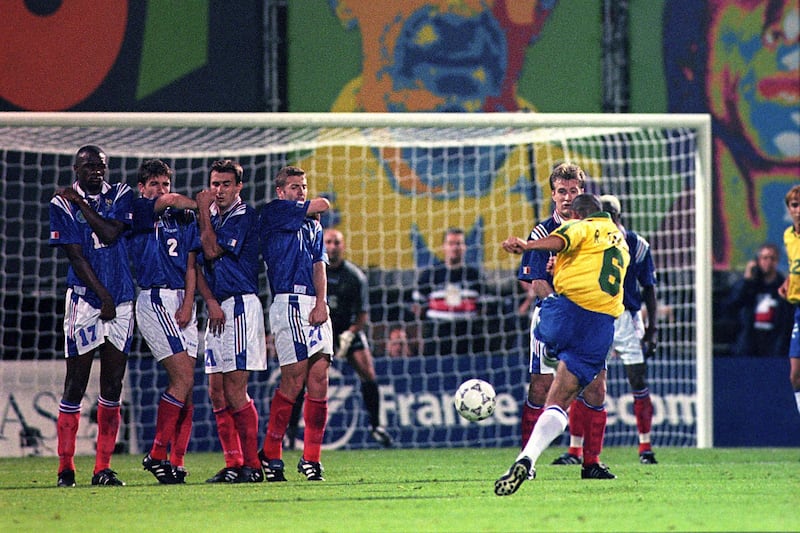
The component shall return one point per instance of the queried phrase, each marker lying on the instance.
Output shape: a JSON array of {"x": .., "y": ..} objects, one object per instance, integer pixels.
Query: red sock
[
  {"x": 69, "y": 416},
  {"x": 280, "y": 411},
  {"x": 108, "y": 416},
  {"x": 530, "y": 414},
  {"x": 246, "y": 420},
  {"x": 169, "y": 409},
  {"x": 643, "y": 409},
  {"x": 228, "y": 438},
  {"x": 315, "y": 414},
  {"x": 183, "y": 432},
  {"x": 594, "y": 432},
  {"x": 578, "y": 415}
]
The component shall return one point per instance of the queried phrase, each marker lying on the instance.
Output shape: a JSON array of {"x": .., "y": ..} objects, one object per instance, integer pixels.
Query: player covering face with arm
[
  {"x": 163, "y": 244},
  {"x": 292, "y": 248},
  {"x": 229, "y": 237}
]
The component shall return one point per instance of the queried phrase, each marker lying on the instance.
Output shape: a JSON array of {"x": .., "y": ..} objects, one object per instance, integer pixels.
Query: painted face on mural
[
  {"x": 753, "y": 73},
  {"x": 739, "y": 60},
  {"x": 428, "y": 55}
]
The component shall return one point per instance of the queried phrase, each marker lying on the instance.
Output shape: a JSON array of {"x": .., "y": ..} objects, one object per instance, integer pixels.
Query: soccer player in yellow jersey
[
  {"x": 791, "y": 287},
  {"x": 576, "y": 322}
]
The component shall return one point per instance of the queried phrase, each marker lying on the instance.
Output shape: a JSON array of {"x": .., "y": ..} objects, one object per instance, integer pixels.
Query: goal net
[{"x": 396, "y": 183}]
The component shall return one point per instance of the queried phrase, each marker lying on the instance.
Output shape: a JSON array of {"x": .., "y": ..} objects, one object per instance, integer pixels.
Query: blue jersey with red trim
[
  {"x": 533, "y": 264},
  {"x": 291, "y": 243},
  {"x": 109, "y": 261}
]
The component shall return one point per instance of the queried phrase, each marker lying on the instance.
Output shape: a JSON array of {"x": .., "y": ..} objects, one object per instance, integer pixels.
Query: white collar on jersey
[{"x": 106, "y": 187}]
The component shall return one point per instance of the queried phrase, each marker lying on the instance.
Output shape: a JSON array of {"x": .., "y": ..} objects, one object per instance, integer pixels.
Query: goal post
[{"x": 396, "y": 181}]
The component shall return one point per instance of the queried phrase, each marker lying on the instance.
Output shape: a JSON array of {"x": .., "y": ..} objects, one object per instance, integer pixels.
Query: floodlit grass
[{"x": 735, "y": 489}]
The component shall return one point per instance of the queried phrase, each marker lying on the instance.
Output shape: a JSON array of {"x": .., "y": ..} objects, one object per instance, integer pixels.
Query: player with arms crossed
[
  {"x": 790, "y": 290},
  {"x": 236, "y": 345},
  {"x": 163, "y": 248},
  {"x": 293, "y": 250},
  {"x": 576, "y": 322},
  {"x": 87, "y": 221}
]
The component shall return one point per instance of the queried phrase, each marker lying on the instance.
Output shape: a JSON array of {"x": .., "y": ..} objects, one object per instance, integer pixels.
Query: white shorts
[
  {"x": 242, "y": 344},
  {"x": 296, "y": 339},
  {"x": 628, "y": 333},
  {"x": 84, "y": 331},
  {"x": 155, "y": 316},
  {"x": 538, "y": 350}
]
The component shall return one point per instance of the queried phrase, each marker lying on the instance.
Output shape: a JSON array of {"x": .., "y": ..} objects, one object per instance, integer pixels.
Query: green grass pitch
[{"x": 733, "y": 489}]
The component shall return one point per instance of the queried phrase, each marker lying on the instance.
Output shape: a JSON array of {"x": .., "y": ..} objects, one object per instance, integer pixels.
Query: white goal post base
[{"x": 396, "y": 182}]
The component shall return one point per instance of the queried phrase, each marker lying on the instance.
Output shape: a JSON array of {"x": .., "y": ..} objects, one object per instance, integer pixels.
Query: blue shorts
[
  {"x": 579, "y": 337},
  {"x": 794, "y": 344}
]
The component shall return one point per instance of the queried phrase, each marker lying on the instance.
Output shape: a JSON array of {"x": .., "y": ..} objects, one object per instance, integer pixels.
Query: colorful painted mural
[
  {"x": 735, "y": 59},
  {"x": 420, "y": 55},
  {"x": 95, "y": 55},
  {"x": 739, "y": 60},
  {"x": 395, "y": 205}
]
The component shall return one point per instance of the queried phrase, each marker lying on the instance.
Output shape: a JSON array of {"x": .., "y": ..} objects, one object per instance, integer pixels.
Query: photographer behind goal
[{"x": 764, "y": 319}]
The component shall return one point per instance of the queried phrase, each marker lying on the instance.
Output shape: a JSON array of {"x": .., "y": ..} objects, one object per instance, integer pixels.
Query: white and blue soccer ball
[{"x": 475, "y": 400}]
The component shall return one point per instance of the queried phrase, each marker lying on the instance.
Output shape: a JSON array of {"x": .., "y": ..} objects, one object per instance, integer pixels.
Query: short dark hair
[
  {"x": 89, "y": 148},
  {"x": 226, "y": 166},
  {"x": 770, "y": 246},
  {"x": 452, "y": 231},
  {"x": 586, "y": 204},
  {"x": 152, "y": 168},
  {"x": 287, "y": 172},
  {"x": 567, "y": 171}
]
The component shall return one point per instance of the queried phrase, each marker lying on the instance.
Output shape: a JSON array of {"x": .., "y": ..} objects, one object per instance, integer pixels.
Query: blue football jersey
[
  {"x": 641, "y": 272},
  {"x": 109, "y": 261},
  {"x": 160, "y": 244},
  {"x": 291, "y": 243},
  {"x": 533, "y": 264},
  {"x": 236, "y": 271}
]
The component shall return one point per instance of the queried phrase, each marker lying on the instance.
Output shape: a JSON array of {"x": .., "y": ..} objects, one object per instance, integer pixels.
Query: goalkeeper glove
[
  {"x": 649, "y": 348},
  {"x": 345, "y": 341}
]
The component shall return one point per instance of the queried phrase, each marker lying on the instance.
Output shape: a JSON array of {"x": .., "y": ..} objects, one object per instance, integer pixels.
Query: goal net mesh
[{"x": 394, "y": 191}]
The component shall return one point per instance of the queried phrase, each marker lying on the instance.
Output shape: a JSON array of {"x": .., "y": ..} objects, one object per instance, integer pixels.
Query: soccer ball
[{"x": 475, "y": 400}]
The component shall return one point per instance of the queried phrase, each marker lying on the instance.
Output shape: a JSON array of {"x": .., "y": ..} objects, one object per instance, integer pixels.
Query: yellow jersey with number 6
[
  {"x": 791, "y": 241},
  {"x": 591, "y": 267}
]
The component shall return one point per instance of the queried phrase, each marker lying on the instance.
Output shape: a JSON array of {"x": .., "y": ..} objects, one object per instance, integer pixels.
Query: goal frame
[{"x": 701, "y": 123}]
